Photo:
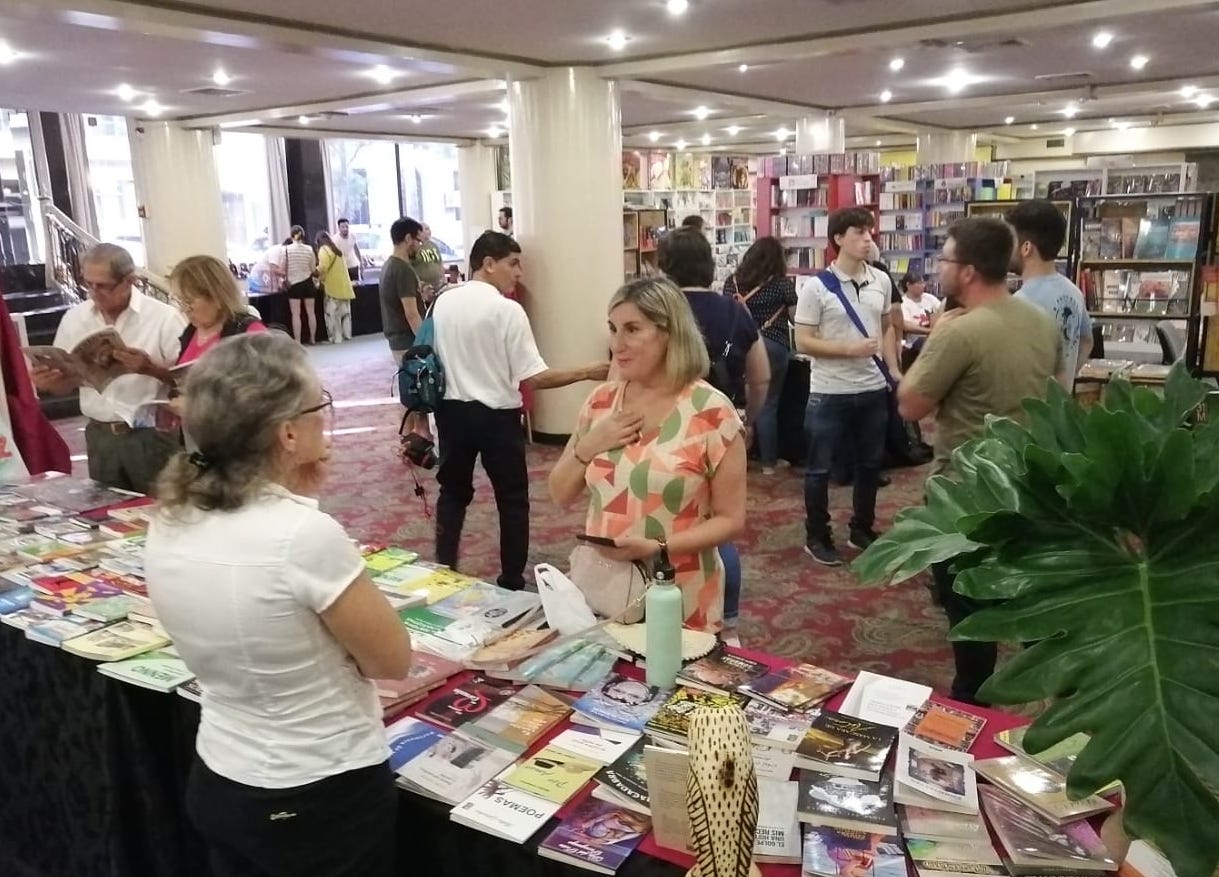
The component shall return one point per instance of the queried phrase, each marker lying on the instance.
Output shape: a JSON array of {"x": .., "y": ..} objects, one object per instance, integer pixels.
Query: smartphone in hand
[{"x": 597, "y": 540}]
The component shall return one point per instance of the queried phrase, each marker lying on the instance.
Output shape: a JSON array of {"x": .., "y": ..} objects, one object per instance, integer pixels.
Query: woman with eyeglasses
[
  {"x": 269, "y": 604},
  {"x": 209, "y": 296}
]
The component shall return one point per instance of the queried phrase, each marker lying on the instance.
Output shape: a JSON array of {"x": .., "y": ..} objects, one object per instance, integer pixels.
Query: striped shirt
[{"x": 299, "y": 262}]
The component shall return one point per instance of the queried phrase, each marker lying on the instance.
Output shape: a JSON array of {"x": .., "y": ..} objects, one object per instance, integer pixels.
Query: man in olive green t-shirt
[{"x": 985, "y": 357}]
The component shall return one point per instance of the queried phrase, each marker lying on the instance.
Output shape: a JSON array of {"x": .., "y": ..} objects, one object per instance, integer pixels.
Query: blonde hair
[
  {"x": 237, "y": 395},
  {"x": 666, "y": 307},
  {"x": 207, "y": 277}
]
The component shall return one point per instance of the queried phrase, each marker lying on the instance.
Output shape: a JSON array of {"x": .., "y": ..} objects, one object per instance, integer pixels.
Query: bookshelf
[
  {"x": 1143, "y": 266},
  {"x": 1090, "y": 182},
  {"x": 630, "y": 244},
  {"x": 642, "y": 230},
  {"x": 1066, "y": 256}
]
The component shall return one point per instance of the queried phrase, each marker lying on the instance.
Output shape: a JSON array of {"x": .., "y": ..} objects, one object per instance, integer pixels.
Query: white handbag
[{"x": 612, "y": 588}]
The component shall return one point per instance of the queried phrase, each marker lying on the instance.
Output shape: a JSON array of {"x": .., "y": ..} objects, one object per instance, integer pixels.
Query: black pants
[
  {"x": 342, "y": 826},
  {"x": 354, "y": 274},
  {"x": 975, "y": 661},
  {"x": 466, "y": 431}
]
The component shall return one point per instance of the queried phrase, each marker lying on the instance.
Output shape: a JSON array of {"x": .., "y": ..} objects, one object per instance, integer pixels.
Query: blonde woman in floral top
[{"x": 659, "y": 451}]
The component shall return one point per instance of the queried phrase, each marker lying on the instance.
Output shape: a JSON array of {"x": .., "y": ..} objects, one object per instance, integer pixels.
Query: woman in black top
[{"x": 762, "y": 284}]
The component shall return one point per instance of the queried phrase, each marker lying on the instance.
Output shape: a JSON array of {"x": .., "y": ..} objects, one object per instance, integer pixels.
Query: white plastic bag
[{"x": 565, "y": 607}]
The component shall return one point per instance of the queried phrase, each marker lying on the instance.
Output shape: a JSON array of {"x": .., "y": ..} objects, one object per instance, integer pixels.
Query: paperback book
[
  {"x": 942, "y": 773},
  {"x": 1038, "y": 788},
  {"x": 776, "y": 728},
  {"x": 159, "y": 670},
  {"x": 625, "y": 782},
  {"x": 672, "y": 720},
  {"x": 597, "y": 836},
  {"x": 841, "y": 802},
  {"x": 15, "y": 599},
  {"x": 721, "y": 671},
  {"x": 945, "y": 726},
  {"x": 117, "y": 642},
  {"x": 595, "y": 744},
  {"x": 467, "y": 702},
  {"x": 910, "y": 797},
  {"x": 71, "y": 592},
  {"x": 1033, "y": 843},
  {"x": 933, "y": 858},
  {"x": 387, "y": 559},
  {"x": 620, "y": 703},
  {"x": 883, "y": 699},
  {"x": 777, "y": 838},
  {"x": 114, "y": 608},
  {"x": 1058, "y": 759},
  {"x": 452, "y": 768},
  {"x": 668, "y": 771},
  {"x": 795, "y": 688},
  {"x": 832, "y": 852},
  {"x": 845, "y": 746},
  {"x": 937, "y": 825},
  {"x": 504, "y": 811},
  {"x": 24, "y": 619},
  {"x": 521, "y": 720},
  {"x": 408, "y": 737},
  {"x": 57, "y": 631},
  {"x": 551, "y": 774}
]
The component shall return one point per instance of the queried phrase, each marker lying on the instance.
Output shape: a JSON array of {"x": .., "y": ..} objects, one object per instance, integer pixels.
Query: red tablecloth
[{"x": 984, "y": 747}]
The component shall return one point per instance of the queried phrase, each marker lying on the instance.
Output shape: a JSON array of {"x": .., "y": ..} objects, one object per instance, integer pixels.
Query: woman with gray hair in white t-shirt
[{"x": 268, "y": 603}]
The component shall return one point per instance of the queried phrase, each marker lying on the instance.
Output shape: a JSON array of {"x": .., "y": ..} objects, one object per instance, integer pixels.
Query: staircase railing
[{"x": 67, "y": 242}]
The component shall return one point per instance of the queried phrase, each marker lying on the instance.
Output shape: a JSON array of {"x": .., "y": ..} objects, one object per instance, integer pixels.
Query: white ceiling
[{"x": 450, "y": 59}]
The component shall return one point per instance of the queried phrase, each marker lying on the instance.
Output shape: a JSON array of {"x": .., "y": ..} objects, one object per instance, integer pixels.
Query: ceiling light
[
  {"x": 415, "y": 118},
  {"x": 617, "y": 40},
  {"x": 653, "y": 136},
  {"x": 1032, "y": 127},
  {"x": 1119, "y": 124},
  {"x": 382, "y": 74},
  {"x": 782, "y": 150},
  {"x": 705, "y": 140},
  {"x": 221, "y": 78},
  {"x": 744, "y": 68},
  {"x": 782, "y": 134},
  {"x": 1069, "y": 132},
  {"x": 1188, "y": 91},
  {"x": 897, "y": 64},
  {"x": 681, "y": 145},
  {"x": 8, "y": 54},
  {"x": 494, "y": 132},
  {"x": 125, "y": 92},
  {"x": 1204, "y": 100},
  {"x": 957, "y": 80},
  {"x": 1138, "y": 62},
  {"x": 701, "y": 113},
  {"x": 1101, "y": 39},
  {"x": 150, "y": 107},
  {"x": 1070, "y": 111},
  {"x": 677, "y": 7},
  {"x": 302, "y": 120},
  {"x": 1009, "y": 120},
  {"x": 878, "y": 142},
  {"x": 886, "y": 96},
  {"x": 733, "y": 130}
]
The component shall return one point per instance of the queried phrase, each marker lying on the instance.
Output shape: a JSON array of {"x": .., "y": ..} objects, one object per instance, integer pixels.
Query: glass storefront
[
  {"x": 21, "y": 231},
  {"x": 112, "y": 182}
]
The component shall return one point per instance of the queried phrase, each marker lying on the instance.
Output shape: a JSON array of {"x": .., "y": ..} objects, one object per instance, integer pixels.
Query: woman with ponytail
[{"x": 268, "y": 603}]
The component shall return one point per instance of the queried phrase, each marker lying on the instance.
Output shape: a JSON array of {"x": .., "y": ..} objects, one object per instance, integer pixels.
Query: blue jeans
[
  {"x": 766, "y": 430},
  {"x": 731, "y": 559},
  {"x": 834, "y": 422}
]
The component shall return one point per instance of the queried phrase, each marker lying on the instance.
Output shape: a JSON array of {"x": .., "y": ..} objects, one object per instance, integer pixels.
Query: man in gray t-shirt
[
  {"x": 1041, "y": 230},
  {"x": 401, "y": 305}
]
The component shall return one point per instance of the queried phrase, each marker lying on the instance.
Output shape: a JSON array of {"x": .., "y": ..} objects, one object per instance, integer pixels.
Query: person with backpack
[
  {"x": 739, "y": 365},
  {"x": 842, "y": 321},
  {"x": 761, "y": 284}
]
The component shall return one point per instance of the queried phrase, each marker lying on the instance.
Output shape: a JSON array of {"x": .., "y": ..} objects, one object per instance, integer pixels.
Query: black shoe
[
  {"x": 823, "y": 551},
  {"x": 862, "y": 537},
  {"x": 883, "y": 480}
]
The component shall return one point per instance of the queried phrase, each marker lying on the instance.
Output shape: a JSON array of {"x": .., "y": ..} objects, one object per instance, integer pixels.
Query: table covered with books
[{"x": 98, "y": 753}]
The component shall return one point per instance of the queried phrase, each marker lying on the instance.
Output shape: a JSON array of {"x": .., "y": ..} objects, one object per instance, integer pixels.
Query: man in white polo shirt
[
  {"x": 487, "y": 349},
  {"x": 124, "y": 448},
  {"x": 848, "y": 403},
  {"x": 346, "y": 242}
]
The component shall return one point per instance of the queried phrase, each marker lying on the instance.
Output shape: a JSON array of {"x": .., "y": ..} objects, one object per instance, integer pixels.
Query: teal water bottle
[{"x": 664, "y": 616}]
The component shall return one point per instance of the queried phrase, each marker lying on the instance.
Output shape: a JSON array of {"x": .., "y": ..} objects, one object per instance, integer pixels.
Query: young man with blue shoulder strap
[{"x": 842, "y": 321}]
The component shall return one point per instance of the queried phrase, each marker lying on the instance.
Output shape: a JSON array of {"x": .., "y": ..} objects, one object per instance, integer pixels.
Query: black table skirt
[
  {"x": 365, "y": 311},
  {"x": 94, "y": 776}
]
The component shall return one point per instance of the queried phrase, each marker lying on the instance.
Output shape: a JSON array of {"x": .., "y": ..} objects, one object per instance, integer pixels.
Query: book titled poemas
[
  {"x": 504, "y": 811},
  {"x": 597, "y": 836}
]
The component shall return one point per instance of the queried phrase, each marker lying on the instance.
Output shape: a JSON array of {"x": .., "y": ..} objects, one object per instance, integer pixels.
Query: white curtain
[
  {"x": 277, "y": 173},
  {"x": 328, "y": 176},
  {"x": 77, "y": 159}
]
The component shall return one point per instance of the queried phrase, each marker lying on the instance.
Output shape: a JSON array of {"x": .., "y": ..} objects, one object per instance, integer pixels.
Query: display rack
[
  {"x": 1089, "y": 182},
  {"x": 1067, "y": 255},
  {"x": 641, "y": 233},
  {"x": 1142, "y": 267}
]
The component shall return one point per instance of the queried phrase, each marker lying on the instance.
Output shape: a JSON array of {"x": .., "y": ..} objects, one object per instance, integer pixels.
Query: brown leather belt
[{"x": 114, "y": 427}]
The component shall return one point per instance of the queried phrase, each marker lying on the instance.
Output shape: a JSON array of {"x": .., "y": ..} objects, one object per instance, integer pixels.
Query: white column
[
  {"x": 476, "y": 185},
  {"x": 565, "y": 142},
  {"x": 178, "y": 191},
  {"x": 946, "y": 147}
]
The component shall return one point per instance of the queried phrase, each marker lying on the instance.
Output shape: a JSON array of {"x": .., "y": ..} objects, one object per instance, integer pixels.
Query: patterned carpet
[{"x": 790, "y": 606}]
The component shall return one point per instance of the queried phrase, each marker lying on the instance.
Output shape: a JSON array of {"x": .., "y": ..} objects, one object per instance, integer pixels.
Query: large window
[
  {"x": 20, "y": 217},
  {"x": 245, "y": 191},
  {"x": 112, "y": 181},
  {"x": 373, "y": 182}
]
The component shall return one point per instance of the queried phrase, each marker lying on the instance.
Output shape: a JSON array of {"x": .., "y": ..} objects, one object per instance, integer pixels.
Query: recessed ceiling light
[
  {"x": 733, "y": 130},
  {"x": 8, "y": 54},
  {"x": 1119, "y": 124},
  {"x": 221, "y": 78},
  {"x": 1009, "y": 120},
  {"x": 681, "y": 145},
  {"x": 705, "y": 140},
  {"x": 744, "y": 68},
  {"x": 125, "y": 92},
  {"x": 1138, "y": 62},
  {"x": 878, "y": 142},
  {"x": 1069, "y": 132},
  {"x": 617, "y": 40},
  {"x": 1101, "y": 39},
  {"x": 1188, "y": 91},
  {"x": 701, "y": 113},
  {"x": 1032, "y": 127},
  {"x": 150, "y": 107},
  {"x": 957, "y": 80},
  {"x": 782, "y": 150},
  {"x": 886, "y": 96},
  {"x": 677, "y": 7},
  {"x": 382, "y": 74},
  {"x": 415, "y": 118},
  {"x": 494, "y": 132},
  {"x": 782, "y": 134},
  {"x": 897, "y": 64},
  {"x": 1070, "y": 111},
  {"x": 1204, "y": 100},
  {"x": 653, "y": 136},
  {"x": 302, "y": 120}
]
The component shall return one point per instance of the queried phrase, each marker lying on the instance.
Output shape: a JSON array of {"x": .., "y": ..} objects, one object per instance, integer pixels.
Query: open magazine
[{"x": 91, "y": 361}]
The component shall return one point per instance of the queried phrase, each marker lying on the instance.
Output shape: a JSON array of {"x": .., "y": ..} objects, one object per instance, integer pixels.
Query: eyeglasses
[
  {"x": 327, "y": 405},
  {"x": 103, "y": 288}
]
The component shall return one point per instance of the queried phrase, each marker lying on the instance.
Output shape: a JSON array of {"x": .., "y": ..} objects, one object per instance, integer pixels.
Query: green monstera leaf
[{"x": 1096, "y": 534}]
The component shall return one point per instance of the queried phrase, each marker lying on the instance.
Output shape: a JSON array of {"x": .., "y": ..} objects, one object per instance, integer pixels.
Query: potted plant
[{"x": 1096, "y": 533}]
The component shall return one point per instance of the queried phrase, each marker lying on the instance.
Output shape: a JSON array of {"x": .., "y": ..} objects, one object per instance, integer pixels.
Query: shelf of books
[
  {"x": 641, "y": 233},
  {"x": 796, "y": 194},
  {"x": 1142, "y": 268},
  {"x": 1088, "y": 182},
  {"x": 1066, "y": 255}
]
